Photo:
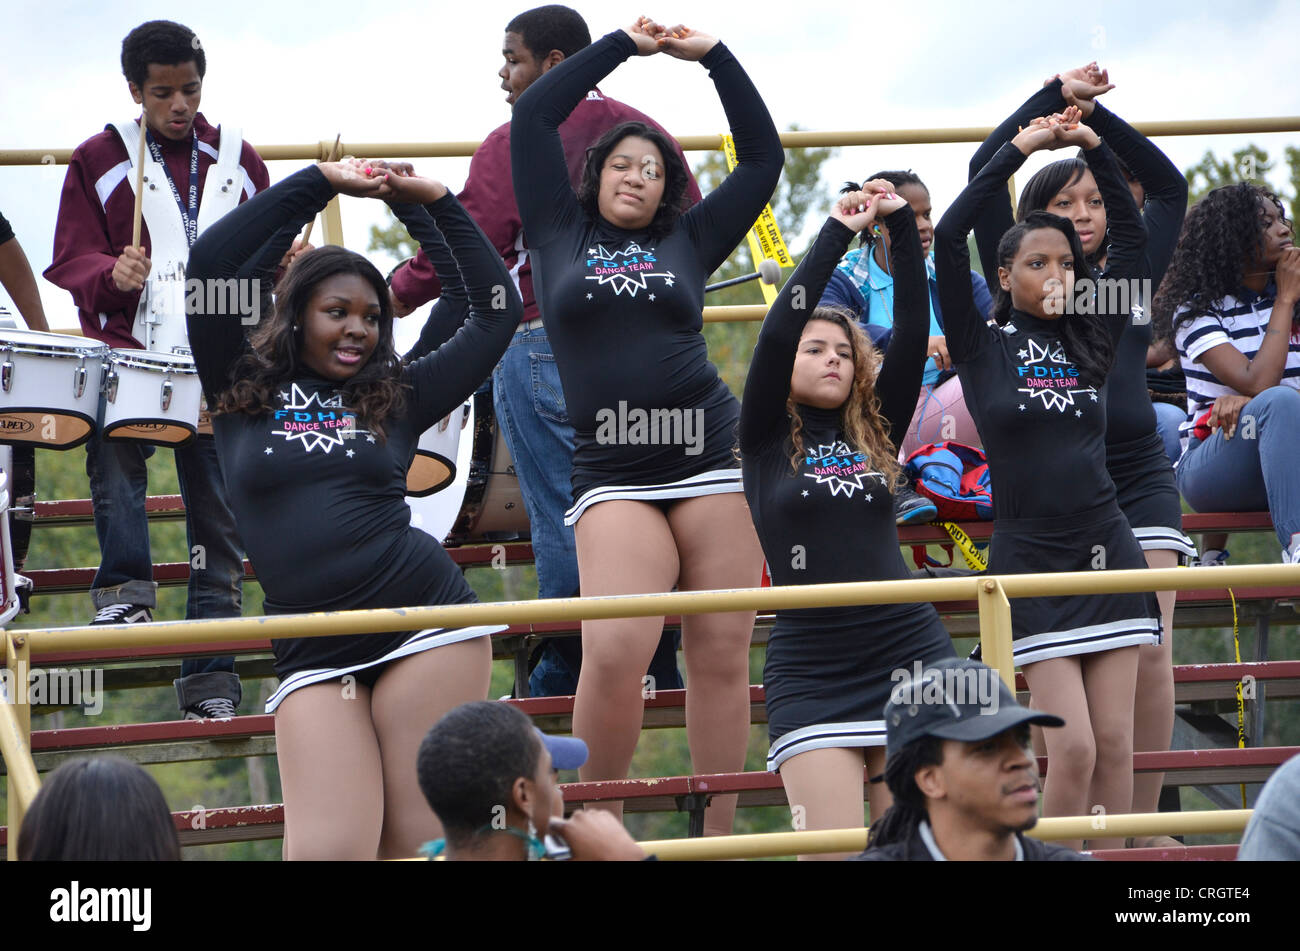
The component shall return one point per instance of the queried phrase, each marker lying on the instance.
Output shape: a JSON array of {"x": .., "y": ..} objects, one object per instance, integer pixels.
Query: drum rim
[
  {"x": 131, "y": 358},
  {"x": 73, "y": 351}
]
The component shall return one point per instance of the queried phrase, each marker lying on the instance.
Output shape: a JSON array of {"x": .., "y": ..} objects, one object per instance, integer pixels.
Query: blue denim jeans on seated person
[
  {"x": 1168, "y": 418},
  {"x": 529, "y": 404},
  {"x": 118, "y": 486},
  {"x": 1257, "y": 470}
]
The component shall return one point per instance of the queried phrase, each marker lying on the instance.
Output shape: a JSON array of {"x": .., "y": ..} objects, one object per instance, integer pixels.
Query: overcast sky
[{"x": 402, "y": 71}]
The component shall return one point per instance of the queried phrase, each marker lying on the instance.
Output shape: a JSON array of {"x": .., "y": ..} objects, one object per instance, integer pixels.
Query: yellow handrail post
[
  {"x": 15, "y": 737},
  {"x": 995, "y": 630}
]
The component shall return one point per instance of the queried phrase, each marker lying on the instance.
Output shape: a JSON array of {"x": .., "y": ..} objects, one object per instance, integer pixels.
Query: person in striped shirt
[{"x": 1230, "y": 298}]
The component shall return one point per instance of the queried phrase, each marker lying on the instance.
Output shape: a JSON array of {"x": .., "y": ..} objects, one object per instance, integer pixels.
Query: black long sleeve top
[
  {"x": 624, "y": 309},
  {"x": 1129, "y": 415},
  {"x": 1043, "y": 430},
  {"x": 830, "y": 519},
  {"x": 319, "y": 502}
]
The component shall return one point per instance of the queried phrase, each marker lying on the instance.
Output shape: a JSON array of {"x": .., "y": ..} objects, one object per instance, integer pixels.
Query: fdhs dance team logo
[
  {"x": 1046, "y": 374},
  {"x": 626, "y": 270},
  {"x": 314, "y": 422},
  {"x": 839, "y": 467}
]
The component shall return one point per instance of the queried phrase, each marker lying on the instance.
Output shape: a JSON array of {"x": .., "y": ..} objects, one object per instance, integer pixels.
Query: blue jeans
[
  {"x": 529, "y": 404},
  {"x": 1168, "y": 418},
  {"x": 1257, "y": 470},
  {"x": 118, "y": 485}
]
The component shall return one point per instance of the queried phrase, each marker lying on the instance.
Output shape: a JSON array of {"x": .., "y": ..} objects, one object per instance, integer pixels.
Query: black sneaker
[
  {"x": 123, "y": 614},
  {"x": 216, "y": 708},
  {"x": 911, "y": 508}
]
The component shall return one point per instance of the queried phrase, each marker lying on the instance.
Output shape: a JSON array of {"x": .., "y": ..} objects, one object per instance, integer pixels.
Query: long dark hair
[
  {"x": 374, "y": 393},
  {"x": 675, "y": 176},
  {"x": 908, "y": 811},
  {"x": 1046, "y": 184},
  {"x": 1085, "y": 338},
  {"x": 99, "y": 809},
  {"x": 1220, "y": 239}
]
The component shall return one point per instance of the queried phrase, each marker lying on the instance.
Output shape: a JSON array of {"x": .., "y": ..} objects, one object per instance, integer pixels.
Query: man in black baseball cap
[{"x": 961, "y": 771}]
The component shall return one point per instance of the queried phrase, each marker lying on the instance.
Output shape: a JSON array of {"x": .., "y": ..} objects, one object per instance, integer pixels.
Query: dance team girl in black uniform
[
  {"x": 1135, "y": 456},
  {"x": 317, "y": 424},
  {"x": 1036, "y": 387},
  {"x": 817, "y": 425},
  {"x": 619, "y": 271}
]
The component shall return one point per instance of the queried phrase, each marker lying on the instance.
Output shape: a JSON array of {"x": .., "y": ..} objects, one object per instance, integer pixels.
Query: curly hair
[
  {"x": 860, "y": 419},
  {"x": 1221, "y": 237},
  {"x": 901, "y": 819},
  {"x": 1086, "y": 340},
  {"x": 162, "y": 42},
  {"x": 675, "y": 178},
  {"x": 375, "y": 393}
]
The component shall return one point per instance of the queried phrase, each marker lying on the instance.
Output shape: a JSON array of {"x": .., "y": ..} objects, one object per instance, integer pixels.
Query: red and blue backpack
[{"x": 955, "y": 478}]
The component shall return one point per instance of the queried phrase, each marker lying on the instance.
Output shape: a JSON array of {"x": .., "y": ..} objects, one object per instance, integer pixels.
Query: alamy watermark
[
  {"x": 225, "y": 297},
  {"x": 82, "y": 687},
  {"x": 954, "y": 686},
  {"x": 654, "y": 427},
  {"x": 1105, "y": 296}
]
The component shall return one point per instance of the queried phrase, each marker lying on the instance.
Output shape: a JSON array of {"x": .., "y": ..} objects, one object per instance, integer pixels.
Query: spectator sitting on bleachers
[
  {"x": 485, "y": 770},
  {"x": 964, "y": 780},
  {"x": 97, "y": 809},
  {"x": 1231, "y": 295},
  {"x": 1273, "y": 833}
]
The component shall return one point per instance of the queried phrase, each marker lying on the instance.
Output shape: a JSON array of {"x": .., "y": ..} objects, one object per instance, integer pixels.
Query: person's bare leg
[
  {"x": 879, "y": 798},
  {"x": 330, "y": 773},
  {"x": 1109, "y": 678},
  {"x": 718, "y": 549},
  {"x": 824, "y": 789},
  {"x": 1057, "y": 688},
  {"x": 410, "y": 696},
  {"x": 623, "y": 547},
  {"x": 1153, "y": 706}
]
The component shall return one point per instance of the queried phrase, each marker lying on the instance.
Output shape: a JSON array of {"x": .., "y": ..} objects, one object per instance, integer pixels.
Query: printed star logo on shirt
[
  {"x": 839, "y": 467},
  {"x": 297, "y": 402},
  {"x": 1042, "y": 356},
  {"x": 627, "y": 271}
]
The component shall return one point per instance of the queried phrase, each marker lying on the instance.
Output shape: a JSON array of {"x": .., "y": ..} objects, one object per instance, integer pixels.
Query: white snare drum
[
  {"x": 150, "y": 397},
  {"x": 161, "y": 327},
  {"x": 49, "y": 388},
  {"x": 483, "y": 503},
  {"x": 434, "y": 465}
]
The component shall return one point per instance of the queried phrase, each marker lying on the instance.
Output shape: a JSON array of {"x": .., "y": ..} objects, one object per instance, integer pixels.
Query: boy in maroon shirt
[{"x": 164, "y": 65}]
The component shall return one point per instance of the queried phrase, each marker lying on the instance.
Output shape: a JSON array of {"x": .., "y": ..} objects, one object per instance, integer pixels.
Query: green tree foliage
[
  {"x": 1248, "y": 164},
  {"x": 392, "y": 238}
]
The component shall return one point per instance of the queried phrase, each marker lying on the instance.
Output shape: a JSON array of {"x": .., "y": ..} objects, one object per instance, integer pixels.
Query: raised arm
[
  {"x": 445, "y": 377},
  {"x": 964, "y": 327},
  {"x": 232, "y": 249},
  {"x": 996, "y": 217},
  {"x": 719, "y": 222},
  {"x": 899, "y": 381},
  {"x": 541, "y": 177},
  {"x": 1126, "y": 236},
  {"x": 448, "y": 312},
  {"x": 1163, "y": 185}
]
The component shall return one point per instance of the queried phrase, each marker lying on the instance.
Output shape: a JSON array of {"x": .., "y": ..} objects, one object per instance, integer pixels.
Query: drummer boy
[{"x": 113, "y": 284}]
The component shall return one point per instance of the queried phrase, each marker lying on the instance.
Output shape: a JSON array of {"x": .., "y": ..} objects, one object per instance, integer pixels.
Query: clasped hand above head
[
  {"x": 1079, "y": 87},
  {"x": 1061, "y": 130},
  {"x": 876, "y": 199},
  {"x": 379, "y": 178},
  {"x": 679, "y": 42}
]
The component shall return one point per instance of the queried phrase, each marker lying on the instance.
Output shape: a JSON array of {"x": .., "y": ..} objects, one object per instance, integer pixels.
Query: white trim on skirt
[
  {"x": 823, "y": 736},
  {"x": 1129, "y": 632},
  {"x": 713, "y": 482},
  {"x": 1159, "y": 538},
  {"x": 418, "y": 642}
]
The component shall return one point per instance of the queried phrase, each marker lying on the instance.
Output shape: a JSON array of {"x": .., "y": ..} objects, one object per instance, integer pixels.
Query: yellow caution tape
[
  {"x": 764, "y": 238},
  {"x": 975, "y": 559},
  {"x": 1241, "y": 700}
]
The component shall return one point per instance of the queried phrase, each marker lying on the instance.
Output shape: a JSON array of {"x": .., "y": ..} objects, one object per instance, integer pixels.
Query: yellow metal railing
[
  {"x": 991, "y": 593},
  {"x": 316, "y": 151},
  {"x": 774, "y": 844}
]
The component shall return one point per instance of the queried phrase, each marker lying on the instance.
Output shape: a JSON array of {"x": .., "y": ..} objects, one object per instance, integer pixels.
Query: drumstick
[
  {"x": 306, "y": 235},
  {"x": 139, "y": 184}
]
